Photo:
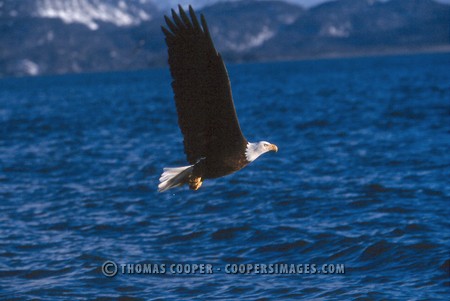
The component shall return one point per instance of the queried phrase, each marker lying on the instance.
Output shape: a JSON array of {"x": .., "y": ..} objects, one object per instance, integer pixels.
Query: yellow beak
[{"x": 274, "y": 148}]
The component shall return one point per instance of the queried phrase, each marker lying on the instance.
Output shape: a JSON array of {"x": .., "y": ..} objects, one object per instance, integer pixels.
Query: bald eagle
[{"x": 213, "y": 141}]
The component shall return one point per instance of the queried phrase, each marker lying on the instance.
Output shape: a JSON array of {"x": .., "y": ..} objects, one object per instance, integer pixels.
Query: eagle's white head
[{"x": 254, "y": 150}]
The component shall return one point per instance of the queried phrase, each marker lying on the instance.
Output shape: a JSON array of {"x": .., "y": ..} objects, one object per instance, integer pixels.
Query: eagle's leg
[{"x": 195, "y": 182}]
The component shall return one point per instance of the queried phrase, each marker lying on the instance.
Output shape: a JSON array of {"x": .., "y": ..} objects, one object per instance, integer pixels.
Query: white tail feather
[{"x": 174, "y": 177}]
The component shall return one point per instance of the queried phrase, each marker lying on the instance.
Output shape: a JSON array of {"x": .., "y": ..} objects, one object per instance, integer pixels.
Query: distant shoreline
[
  {"x": 327, "y": 56},
  {"x": 355, "y": 54}
]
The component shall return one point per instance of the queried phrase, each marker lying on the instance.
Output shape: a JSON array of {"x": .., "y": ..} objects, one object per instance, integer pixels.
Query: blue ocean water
[{"x": 361, "y": 179}]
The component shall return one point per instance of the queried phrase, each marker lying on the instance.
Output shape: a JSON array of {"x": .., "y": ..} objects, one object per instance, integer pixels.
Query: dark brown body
[{"x": 210, "y": 168}]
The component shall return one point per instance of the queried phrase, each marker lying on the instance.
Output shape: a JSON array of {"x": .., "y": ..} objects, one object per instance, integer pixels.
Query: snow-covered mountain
[
  {"x": 63, "y": 36},
  {"x": 87, "y": 12}
]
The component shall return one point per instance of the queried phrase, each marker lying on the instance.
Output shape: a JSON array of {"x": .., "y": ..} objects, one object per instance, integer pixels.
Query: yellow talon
[{"x": 195, "y": 183}]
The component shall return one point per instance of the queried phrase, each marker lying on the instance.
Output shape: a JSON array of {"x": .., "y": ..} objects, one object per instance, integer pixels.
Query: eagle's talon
[{"x": 195, "y": 183}]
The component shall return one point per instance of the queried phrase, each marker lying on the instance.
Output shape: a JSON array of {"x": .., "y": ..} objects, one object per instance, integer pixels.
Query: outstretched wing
[{"x": 206, "y": 113}]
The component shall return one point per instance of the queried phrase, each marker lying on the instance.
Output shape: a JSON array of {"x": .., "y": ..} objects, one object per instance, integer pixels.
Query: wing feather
[
  {"x": 194, "y": 19},
  {"x": 177, "y": 20},
  {"x": 185, "y": 18}
]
